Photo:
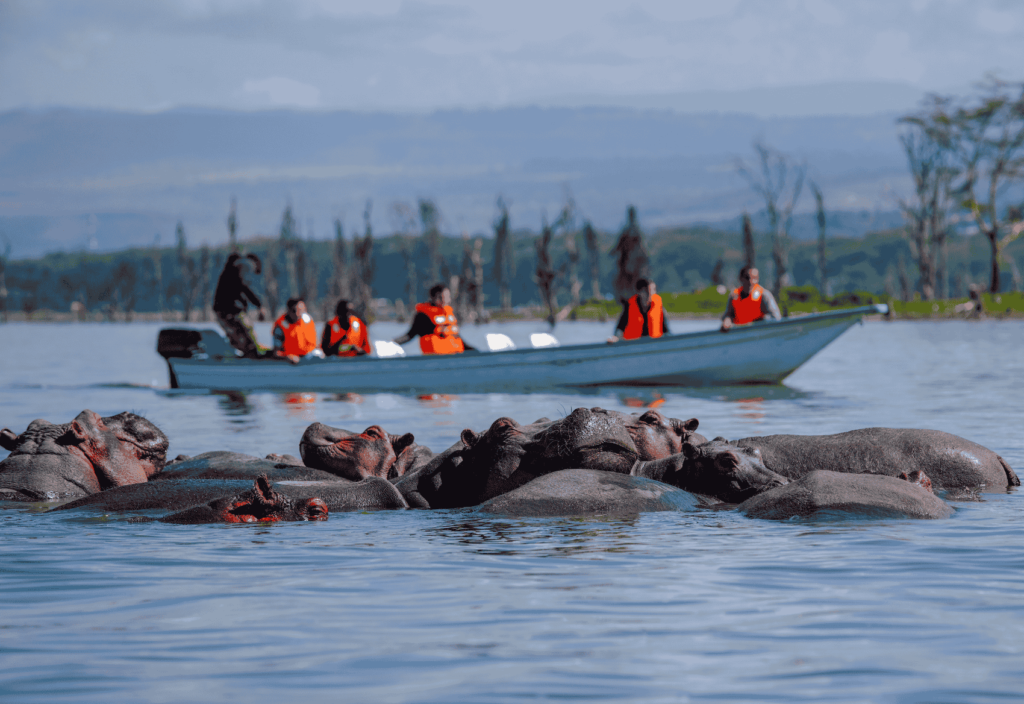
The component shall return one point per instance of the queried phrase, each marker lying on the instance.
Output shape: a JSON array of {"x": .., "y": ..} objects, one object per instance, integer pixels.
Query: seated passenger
[
  {"x": 642, "y": 315},
  {"x": 436, "y": 325},
  {"x": 345, "y": 335},
  {"x": 295, "y": 333},
  {"x": 749, "y": 303}
]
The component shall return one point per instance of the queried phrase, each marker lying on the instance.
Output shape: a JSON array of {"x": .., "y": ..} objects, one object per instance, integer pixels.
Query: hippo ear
[
  {"x": 8, "y": 440},
  {"x": 903, "y": 476},
  {"x": 399, "y": 443},
  {"x": 719, "y": 439},
  {"x": 469, "y": 438},
  {"x": 691, "y": 424}
]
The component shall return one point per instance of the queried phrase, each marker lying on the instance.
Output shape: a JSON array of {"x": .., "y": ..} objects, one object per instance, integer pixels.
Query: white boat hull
[{"x": 763, "y": 353}]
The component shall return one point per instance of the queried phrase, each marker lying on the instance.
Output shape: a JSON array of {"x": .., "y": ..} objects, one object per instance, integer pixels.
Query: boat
[{"x": 760, "y": 353}]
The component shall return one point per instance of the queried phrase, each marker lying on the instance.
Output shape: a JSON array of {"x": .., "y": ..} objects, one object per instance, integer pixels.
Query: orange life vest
[
  {"x": 748, "y": 309},
  {"x": 635, "y": 319},
  {"x": 352, "y": 339},
  {"x": 299, "y": 337},
  {"x": 445, "y": 338}
]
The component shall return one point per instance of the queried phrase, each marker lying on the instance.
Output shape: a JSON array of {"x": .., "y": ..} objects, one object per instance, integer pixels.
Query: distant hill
[{"x": 102, "y": 181}]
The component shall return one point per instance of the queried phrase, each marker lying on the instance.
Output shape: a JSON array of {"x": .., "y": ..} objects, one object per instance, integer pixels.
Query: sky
[{"x": 764, "y": 56}]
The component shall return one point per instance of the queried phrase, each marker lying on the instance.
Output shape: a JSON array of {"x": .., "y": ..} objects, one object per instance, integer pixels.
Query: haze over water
[{"x": 448, "y": 606}]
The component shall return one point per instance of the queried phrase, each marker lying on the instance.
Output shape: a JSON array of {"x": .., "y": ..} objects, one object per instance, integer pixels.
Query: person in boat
[
  {"x": 231, "y": 301},
  {"x": 436, "y": 325},
  {"x": 642, "y": 315},
  {"x": 749, "y": 303},
  {"x": 345, "y": 335},
  {"x": 295, "y": 333}
]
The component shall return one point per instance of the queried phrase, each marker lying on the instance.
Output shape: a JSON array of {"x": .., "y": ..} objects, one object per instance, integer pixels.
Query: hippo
[
  {"x": 235, "y": 465},
  {"x": 952, "y": 462},
  {"x": 823, "y": 493},
  {"x": 88, "y": 455},
  {"x": 715, "y": 469},
  {"x": 589, "y": 492},
  {"x": 355, "y": 456},
  {"x": 294, "y": 501},
  {"x": 484, "y": 465}
]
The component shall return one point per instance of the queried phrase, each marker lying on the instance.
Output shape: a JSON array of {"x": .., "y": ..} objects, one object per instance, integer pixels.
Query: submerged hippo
[
  {"x": 824, "y": 493},
  {"x": 952, "y": 462},
  {"x": 508, "y": 455},
  {"x": 589, "y": 492},
  {"x": 234, "y": 465},
  {"x": 294, "y": 501},
  {"x": 86, "y": 456},
  {"x": 354, "y": 456}
]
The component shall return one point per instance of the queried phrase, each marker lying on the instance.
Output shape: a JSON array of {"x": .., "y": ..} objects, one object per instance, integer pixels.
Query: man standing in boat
[
  {"x": 642, "y": 316},
  {"x": 345, "y": 335},
  {"x": 436, "y": 325},
  {"x": 749, "y": 303},
  {"x": 231, "y": 301},
  {"x": 295, "y": 333}
]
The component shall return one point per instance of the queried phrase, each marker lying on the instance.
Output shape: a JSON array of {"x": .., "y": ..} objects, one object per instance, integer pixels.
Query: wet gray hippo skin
[
  {"x": 825, "y": 494},
  {"x": 354, "y": 456},
  {"x": 588, "y": 492},
  {"x": 294, "y": 501},
  {"x": 715, "y": 469},
  {"x": 234, "y": 465},
  {"x": 951, "y": 462},
  {"x": 372, "y": 493},
  {"x": 508, "y": 455},
  {"x": 88, "y": 455}
]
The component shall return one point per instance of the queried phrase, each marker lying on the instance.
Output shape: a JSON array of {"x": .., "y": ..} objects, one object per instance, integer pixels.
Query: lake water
[{"x": 448, "y": 606}]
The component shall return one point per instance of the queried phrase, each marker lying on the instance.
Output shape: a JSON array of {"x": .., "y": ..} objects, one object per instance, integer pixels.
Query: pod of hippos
[{"x": 591, "y": 462}]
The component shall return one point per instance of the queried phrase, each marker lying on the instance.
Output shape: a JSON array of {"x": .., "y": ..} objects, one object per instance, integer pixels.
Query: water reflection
[
  {"x": 300, "y": 405},
  {"x": 540, "y": 537},
  {"x": 751, "y": 408},
  {"x": 234, "y": 403}
]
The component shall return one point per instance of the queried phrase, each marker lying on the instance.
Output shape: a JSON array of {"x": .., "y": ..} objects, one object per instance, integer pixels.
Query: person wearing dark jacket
[{"x": 231, "y": 301}]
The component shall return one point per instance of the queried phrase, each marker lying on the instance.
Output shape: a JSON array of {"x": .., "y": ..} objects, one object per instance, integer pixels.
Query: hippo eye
[
  {"x": 651, "y": 417},
  {"x": 316, "y": 510}
]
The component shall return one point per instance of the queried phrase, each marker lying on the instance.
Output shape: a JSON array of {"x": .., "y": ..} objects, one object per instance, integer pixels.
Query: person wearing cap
[
  {"x": 295, "y": 333},
  {"x": 345, "y": 335},
  {"x": 749, "y": 303},
  {"x": 642, "y": 316},
  {"x": 436, "y": 325}
]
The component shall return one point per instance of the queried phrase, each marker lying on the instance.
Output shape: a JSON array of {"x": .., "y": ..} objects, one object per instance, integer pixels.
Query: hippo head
[
  {"x": 657, "y": 437},
  {"x": 259, "y": 505},
  {"x": 370, "y": 453},
  {"x": 725, "y": 471},
  {"x": 87, "y": 455}
]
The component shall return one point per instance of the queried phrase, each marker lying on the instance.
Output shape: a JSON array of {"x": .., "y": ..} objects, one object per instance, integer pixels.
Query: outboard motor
[{"x": 183, "y": 343}]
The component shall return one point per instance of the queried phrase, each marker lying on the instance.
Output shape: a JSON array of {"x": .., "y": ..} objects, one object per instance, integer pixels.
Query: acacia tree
[
  {"x": 504, "y": 256},
  {"x": 779, "y": 181},
  {"x": 988, "y": 137},
  {"x": 631, "y": 257}
]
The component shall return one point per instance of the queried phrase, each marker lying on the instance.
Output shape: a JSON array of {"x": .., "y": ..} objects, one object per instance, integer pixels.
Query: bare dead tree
[
  {"x": 748, "y": 242},
  {"x": 477, "y": 260},
  {"x": 779, "y": 181},
  {"x": 819, "y": 202},
  {"x": 233, "y": 226},
  {"x": 204, "y": 283},
  {"x": 430, "y": 218},
  {"x": 631, "y": 257},
  {"x": 403, "y": 218},
  {"x": 271, "y": 278},
  {"x": 594, "y": 256},
  {"x": 288, "y": 234},
  {"x": 364, "y": 267},
  {"x": 567, "y": 222},
  {"x": 339, "y": 258},
  {"x": 546, "y": 274},
  {"x": 5, "y": 254},
  {"x": 189, "y": 276},
  {"x": 504, "y": 255}
]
